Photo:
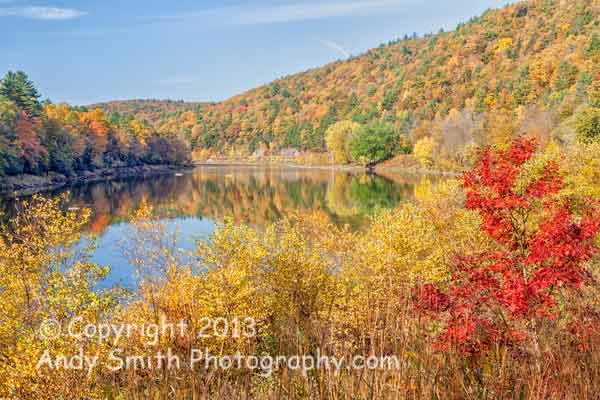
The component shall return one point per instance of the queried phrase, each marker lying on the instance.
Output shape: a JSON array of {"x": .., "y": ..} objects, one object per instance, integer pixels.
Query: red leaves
[
  {"x": 29, "y": 144},
  {"x": 561, "y": 242},
  {"x": 550, "y": 182},
  {"x": 491, "y": 187},
  {"x": 469, "y": 333},
  {"x": 430, "y": 298},
  {"x": 492, "y": 294},
  {"x": 498, "y": 171}
]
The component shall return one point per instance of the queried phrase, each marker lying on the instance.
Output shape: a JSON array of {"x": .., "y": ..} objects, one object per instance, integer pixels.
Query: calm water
[{"x": 195, "y": 202}]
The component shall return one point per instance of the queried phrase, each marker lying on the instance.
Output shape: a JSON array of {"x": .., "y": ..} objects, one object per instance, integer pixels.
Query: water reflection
[
  {"x": 197, "y": 200},
  {"x": 255, "y": 196}
]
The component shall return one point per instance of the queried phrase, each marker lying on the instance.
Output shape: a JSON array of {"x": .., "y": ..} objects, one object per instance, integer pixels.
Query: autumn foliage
[
  {"x": 482, "y": 288},
  {"x": 528, "y": 67},
  {"x": 38, "y": 138},
  {"x": 544, "y": 243}
]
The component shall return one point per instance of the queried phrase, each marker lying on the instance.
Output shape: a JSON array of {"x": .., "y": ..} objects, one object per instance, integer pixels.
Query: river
[{"x": 194, "y": 202}]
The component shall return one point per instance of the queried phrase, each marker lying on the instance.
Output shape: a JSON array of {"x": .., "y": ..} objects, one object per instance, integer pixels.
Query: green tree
[
  {"x": 292, "y": 137},
  {"x": 587, "y": 125},
  {"x": 17, "y": 87},
  {"x": 594, "y": 45},
  {"x": 375, "y": 142},
  {"x": 59, "y": 144},
  {"x": 390, "y": 97},
  {"x": 10, "y": 161},
  {"x": 566, "y": 76}
]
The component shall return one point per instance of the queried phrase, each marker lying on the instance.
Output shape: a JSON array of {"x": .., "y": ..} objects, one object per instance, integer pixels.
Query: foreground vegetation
[
  {"x": 36, "y": 138},
  {"x": 484, "y": 288}
]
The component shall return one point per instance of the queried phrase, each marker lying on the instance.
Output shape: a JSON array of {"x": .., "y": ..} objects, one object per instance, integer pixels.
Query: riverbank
[
  {"x": 382, "y": 169},
  {"x": 401, "y": 164},
  {"x": 25, "y": 185},
  {"x": 279, "y": 164}
]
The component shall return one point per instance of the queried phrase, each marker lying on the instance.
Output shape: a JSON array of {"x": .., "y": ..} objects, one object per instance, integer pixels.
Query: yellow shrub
[{"x": 424, "y": 151}]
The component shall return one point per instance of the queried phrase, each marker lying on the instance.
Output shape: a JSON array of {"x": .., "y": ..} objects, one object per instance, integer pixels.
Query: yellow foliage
[
  {"x": 424, "y": 151},
  {"x": 505, "y": 44},
  {"x": 583, "y": 164},
  {"x": 338, "y": 138},
  {"x": 45, "y": 277},
  {"x": 138, "y": 130},
  {"x": 337, "y": 198},
  {"x": 490, "y": 101},
  {"x": 541, "y": 71}
]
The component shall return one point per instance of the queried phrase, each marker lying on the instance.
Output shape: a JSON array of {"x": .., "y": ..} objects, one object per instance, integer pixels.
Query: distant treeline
[{"x": 38, "y": 137}]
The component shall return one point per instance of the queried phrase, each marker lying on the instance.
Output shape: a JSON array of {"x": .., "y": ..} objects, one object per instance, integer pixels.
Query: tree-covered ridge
[
  {"x": 151, "y": 110},
  {"x": 36, "y": 138},
  {"x": 528, "y": 67}
]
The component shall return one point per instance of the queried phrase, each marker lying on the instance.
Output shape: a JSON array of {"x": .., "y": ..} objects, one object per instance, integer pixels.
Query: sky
[{"x": 88, "y": 51}]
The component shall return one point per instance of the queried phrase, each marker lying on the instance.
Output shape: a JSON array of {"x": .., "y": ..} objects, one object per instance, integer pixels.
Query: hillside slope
[
  {"x": 150, "y": 110},
  {"x": 526, "y": 67}
]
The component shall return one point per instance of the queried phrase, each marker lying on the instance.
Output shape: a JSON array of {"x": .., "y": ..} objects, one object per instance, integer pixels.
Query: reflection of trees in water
[
  {"x": 254, "y": 196},
  {"x": 360, "y": 195},
  {"x": 338, "y": 198},
  {"x": 372, "y": 192}
]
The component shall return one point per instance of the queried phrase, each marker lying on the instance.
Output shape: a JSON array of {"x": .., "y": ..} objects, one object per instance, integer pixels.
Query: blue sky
[{"x": 87, "y": 51}]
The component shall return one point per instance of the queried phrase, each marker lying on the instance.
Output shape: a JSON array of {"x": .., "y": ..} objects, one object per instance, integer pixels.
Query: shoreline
[
  {"x": 377, "y": 169},
  {"x": 27, "y": 185},
  {"x": 281, "y": 164}
]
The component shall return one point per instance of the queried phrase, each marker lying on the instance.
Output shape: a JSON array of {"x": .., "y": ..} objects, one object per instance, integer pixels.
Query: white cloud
[
  {"x": 334, "y": 46},
  {"x": 289, "y": 12},
  {"x": 42, "y": 13}
]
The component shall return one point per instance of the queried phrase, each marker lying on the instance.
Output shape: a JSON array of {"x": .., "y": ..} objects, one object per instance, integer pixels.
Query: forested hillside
[
  {"x": 530, "y": 67},
  {"x": 150, "y": 110},
  {"x": 40, "y": 137}
]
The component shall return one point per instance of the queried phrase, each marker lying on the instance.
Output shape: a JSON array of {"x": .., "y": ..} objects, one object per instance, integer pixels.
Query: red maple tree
[{"x": 543, "y": 245}]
